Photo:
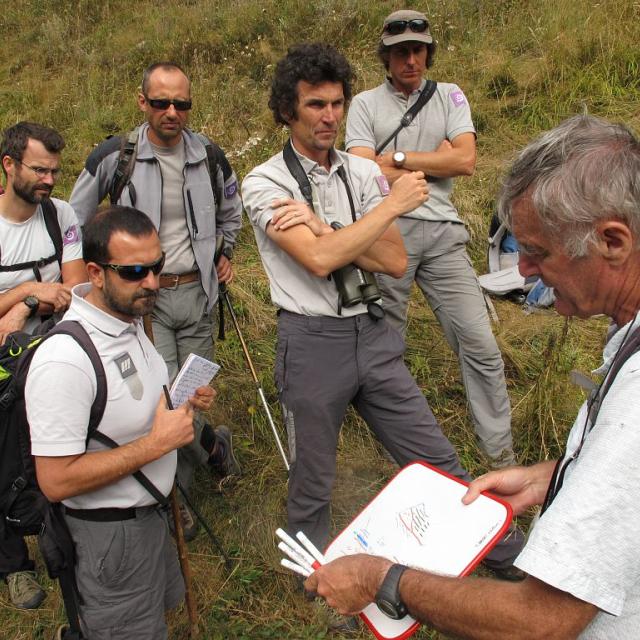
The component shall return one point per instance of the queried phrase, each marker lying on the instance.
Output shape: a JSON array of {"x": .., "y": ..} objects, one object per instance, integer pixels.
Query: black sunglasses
[
  {"x": 135, "y": 272},
  {"x": 400, "y": 26},
  {"x": 162, "y": 104}
]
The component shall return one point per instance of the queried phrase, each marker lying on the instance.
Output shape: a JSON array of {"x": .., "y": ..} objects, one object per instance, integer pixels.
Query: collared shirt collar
[
  {"x": 101, "y": 320},
  {"x": 310, "y": 166},
  {"x": 399, "y": 94},
  {"x": 617, "y": 335}
]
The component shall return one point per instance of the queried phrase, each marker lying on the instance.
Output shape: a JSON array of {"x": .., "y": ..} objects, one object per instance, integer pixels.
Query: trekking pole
[
  {"x": 222, "y": 289},
  {"x": 227, "y": 560},
  {"x": 183, "y": 555}
]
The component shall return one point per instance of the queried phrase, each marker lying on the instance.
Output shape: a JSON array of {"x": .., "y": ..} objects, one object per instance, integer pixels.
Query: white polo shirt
[{"x": 61, "y": 387}]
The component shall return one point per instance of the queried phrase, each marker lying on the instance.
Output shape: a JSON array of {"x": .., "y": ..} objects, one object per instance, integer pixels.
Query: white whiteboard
[{"x": 418, "y": 519}]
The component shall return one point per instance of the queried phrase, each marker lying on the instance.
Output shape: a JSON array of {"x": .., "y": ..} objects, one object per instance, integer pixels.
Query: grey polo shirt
[
  {"x": 375, "y": 114},
  {"x": 293, "y": 287}
]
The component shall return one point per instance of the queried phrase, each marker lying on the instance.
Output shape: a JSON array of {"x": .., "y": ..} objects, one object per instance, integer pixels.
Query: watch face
[
  {"x": 389, "y": 609},
  {"x": 398, "y": 158}
]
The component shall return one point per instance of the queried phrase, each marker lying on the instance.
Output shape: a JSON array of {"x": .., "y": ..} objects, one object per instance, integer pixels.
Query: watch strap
[{"x": 390, "y": 589}]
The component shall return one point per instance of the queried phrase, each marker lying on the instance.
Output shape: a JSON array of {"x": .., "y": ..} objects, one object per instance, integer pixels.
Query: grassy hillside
[{"x": 524, "y": 66}]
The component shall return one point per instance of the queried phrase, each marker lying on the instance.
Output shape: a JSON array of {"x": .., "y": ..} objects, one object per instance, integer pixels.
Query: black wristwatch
[
  {"x": 388, "y": 596},
  {"x": 227, "y": 252},
  {"x": 33, "y": 303}
]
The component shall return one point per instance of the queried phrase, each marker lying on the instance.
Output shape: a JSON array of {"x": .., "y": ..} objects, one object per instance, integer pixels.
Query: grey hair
[{"x": 584, "y": 170}]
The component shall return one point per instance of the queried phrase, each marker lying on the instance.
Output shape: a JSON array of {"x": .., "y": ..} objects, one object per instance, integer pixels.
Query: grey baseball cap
[{"x": 407, "y": 34}]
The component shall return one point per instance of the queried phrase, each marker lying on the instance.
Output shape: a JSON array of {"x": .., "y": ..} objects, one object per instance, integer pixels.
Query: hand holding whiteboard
[
  {"x": 195, "y": 372},
  {"x": 418, "y": 519}
]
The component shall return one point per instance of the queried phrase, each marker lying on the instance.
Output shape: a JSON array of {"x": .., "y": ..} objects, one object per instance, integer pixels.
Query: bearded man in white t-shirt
[
  {"x": 40, "y": 260},
  {"x": 34, "y": 281}
]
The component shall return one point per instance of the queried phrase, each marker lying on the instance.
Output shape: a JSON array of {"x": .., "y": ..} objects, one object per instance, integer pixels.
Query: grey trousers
[
  {"x": 440, "y": 266},
  {"x": 128, "y": 575},
  {"x": 181, "y": 325},
  {"x": 324, "y": 364}
]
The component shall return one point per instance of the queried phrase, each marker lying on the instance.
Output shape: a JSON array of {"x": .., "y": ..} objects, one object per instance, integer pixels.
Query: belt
[
  {"x": 173, "y": 280},
  {"x": 108, "y": 514}
]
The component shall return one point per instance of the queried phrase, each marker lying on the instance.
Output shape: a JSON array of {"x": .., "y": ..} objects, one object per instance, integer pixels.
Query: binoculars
[{"x": 354, "y": 285}]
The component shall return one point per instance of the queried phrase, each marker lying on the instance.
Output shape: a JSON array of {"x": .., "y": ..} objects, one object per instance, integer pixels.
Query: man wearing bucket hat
[{"x": 438, "y": 138}]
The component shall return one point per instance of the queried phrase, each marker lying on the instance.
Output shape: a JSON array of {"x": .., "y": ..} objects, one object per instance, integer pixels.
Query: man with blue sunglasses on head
[
  {"x": 439, "y": 139},
  {"x": 185, "y": 184}
]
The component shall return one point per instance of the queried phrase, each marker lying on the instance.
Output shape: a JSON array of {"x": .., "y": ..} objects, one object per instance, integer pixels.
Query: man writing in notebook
[
  {"x": 440, "y": 141},
  {"x": 572, "y": 200},
  {"x": 315, "y": 210},
  {"x": 127, "y": 568}
]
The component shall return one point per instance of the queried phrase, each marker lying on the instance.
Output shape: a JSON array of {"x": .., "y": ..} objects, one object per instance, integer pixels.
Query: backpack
[
  {"x": 55, "y": 233},
  {"x": 23, "y": 507},
  {"x": 22, "y": 504},
  {"x": 127, "y": 160},
  {"x": 504, "y": 278}
]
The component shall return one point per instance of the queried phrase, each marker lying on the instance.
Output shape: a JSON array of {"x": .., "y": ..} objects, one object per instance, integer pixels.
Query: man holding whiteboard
[{"x": 581, "y": 235}]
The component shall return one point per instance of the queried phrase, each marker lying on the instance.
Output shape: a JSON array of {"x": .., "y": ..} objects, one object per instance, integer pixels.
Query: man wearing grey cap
[{"x": 441, "y": 142}]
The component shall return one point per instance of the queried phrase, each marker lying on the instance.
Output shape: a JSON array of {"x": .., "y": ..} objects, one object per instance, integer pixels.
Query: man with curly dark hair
[{"x": 321, "y": 218}]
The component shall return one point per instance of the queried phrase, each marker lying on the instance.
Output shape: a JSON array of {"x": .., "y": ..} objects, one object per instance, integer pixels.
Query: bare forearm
[
  {"x": 325, "y": 253},
  {"x": 485, "y": 609},
  {"x": 10, "y": 298},
  {"x": 441, "y": 164},
  {"x": 387, "y": 255},
  {"x": 62, "y": 478}
]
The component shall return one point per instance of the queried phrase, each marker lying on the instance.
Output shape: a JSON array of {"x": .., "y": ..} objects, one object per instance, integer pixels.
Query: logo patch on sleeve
[
  {"x": 383, "y": 185},
  {"x": 458, "y": 99},
  {"x": 71, "y": 235},
  {"x": 230, "y": 190}
]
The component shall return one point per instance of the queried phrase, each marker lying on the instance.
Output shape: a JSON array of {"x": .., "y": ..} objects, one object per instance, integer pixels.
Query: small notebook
[
  {"x": 418, "y": 519},
  {"x": 195, "y": 372}
]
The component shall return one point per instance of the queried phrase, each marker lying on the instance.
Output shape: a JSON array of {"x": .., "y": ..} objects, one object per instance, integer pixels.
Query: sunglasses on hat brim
[{"x": 397, "y": 27}]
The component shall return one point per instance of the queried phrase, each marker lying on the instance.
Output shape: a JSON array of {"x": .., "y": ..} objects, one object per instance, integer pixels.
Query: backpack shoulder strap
[
  {"x": 425, "y": 95},
  {"x": 215, "y": 159},
  {"x": 296, "y": 170},
  {"x": 79, "y": 334},
  {"x": 52, "y": 223},
  {"x": 125, "y": 165}
]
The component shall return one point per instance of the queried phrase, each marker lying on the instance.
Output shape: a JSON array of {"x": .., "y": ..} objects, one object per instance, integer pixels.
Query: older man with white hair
[{"x": 572, "y": 200}]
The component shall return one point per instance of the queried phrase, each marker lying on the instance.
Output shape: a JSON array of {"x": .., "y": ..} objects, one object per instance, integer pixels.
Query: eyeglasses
[
  {"x": 136, "y": 272},
  {"x": 162, "y": 104},
  {"x": 400, "y": 26},
  {"x": 42, "y": 172}
]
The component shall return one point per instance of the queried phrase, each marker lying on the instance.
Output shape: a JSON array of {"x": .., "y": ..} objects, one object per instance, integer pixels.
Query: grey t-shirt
[
  {"x": 173, "y": 232},
  {"x": 375, "y": 114},
  {"x": 293, "y": 287}
]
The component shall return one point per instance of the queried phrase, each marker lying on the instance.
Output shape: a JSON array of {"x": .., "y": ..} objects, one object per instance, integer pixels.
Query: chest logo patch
[
  {"x": 230, "y": 190},
  {"x": 71, "y": 235},
  {"x": 383, "y": 185},
  {"x": 126, "y": 366},
  {"x": 458, "y": 99}
]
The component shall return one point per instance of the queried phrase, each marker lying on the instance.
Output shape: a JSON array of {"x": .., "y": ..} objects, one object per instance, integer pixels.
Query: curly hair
[{"x": 315, "y": 63}]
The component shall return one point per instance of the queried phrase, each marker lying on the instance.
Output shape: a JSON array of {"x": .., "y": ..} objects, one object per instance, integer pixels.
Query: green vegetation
[{"x": 524, "y": 65}]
